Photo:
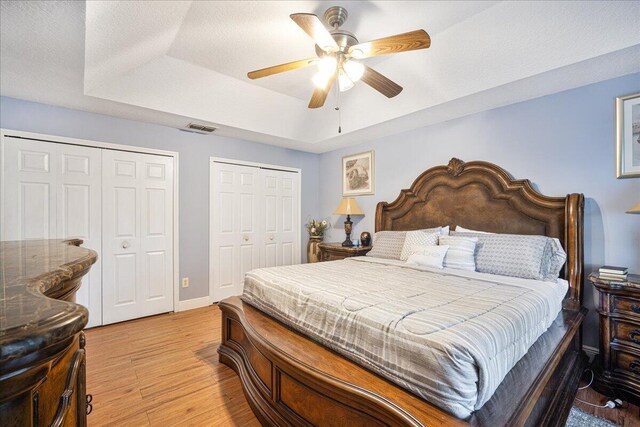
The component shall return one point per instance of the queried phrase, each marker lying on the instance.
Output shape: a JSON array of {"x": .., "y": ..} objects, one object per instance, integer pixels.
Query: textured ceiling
[{"x": 173, "y": 62}]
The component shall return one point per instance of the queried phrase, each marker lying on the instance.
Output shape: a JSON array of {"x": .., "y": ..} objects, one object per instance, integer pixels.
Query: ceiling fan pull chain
[{"x": 337, "y": 108}]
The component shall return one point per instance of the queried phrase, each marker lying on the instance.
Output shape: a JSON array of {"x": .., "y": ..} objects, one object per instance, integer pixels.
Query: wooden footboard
[{"x": 290, "y": 380}]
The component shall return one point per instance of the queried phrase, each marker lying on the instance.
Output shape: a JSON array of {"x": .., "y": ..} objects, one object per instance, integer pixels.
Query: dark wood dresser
[
  {"x": 619, "y": 362},
  {"x": 42, "y": 356},
  {"x": 335, "y": 251}
]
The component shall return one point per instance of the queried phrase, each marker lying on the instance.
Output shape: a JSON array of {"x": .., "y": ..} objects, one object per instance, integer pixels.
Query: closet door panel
[
  {"x": 35, "y": 211},
  {"x": 52, "y": 191},
  {"x": 281, "y": 218},
  {"x": 125, "y": 213},
  {"x": 157, "y": 230},
  {"x": 75, "y": 210},
  {"x": 78, "y": 214},
  {"x": 290, "y": 233},
  {"x": 124, "y": 283},
  {"x": 235, "y": 224},
  {"x": 29, "y": 185},
  {"x": 138, "y": 235},
  {"x": 156, "y": 263}
]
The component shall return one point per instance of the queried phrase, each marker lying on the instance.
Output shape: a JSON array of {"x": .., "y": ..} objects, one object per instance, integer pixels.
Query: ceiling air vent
[{"x": 198, "y": 128}]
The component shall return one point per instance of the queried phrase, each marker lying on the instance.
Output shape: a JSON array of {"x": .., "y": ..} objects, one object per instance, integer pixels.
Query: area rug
[{"x": 578, "y": 418}]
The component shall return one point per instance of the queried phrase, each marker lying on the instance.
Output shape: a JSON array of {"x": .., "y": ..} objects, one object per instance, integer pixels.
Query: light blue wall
[
  {"x": 194, "y": 168},
  {"x": 563, "y": 142}
]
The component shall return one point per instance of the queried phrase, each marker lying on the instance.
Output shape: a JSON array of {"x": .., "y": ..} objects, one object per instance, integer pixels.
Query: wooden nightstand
[
  {"x": 335, "y": 251},
  {"x": 619, "y": 310}
]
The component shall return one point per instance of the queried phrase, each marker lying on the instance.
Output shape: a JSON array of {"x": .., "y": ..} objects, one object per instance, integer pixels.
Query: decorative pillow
[
  {"x": 460, "y": 253},
  {"x": 512, "y": 254},
  {"x": 468, "y": 230},
  {"x": 387, "y": 244},
  {"x": 443, "y": 231},
  {"x": 428, "y": 256},
  {"x": 416, "y": 239},
  {"x": 556, "y": 256}
]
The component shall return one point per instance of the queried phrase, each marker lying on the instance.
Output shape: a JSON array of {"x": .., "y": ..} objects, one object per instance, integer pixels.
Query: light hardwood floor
[{"x": 164, "y": 371}]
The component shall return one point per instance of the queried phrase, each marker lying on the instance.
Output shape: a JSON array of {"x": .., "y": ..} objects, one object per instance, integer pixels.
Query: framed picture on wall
[
  {"x": 628, "y": 136},
  {"x": 358, "y": 174}
]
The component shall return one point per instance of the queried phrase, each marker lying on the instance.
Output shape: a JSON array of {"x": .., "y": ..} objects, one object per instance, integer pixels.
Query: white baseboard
[{"x": 190, "y": 304}]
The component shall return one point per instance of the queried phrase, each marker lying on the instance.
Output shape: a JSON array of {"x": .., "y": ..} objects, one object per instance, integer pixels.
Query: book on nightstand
[
  {"x": 613, "y": 270},
  {"x": 610, "y": 272}
]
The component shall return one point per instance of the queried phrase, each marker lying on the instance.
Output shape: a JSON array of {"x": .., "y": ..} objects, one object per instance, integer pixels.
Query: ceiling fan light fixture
[
  {"x": 327, "y": 65},
  {"x": 357, "y": 53},
  {"x": 354, "y": 70},
  {"x": 321, "y": 79},
  {"x": 344, "y": 82}
]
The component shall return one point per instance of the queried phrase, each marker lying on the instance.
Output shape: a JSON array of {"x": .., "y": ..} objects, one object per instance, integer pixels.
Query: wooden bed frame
[{"x": 289, "y": 379}]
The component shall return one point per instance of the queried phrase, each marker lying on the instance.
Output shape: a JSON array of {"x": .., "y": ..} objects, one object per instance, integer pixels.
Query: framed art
[
  {"x": 628, "y": 136},
  {"x": 358, "y": 174}
]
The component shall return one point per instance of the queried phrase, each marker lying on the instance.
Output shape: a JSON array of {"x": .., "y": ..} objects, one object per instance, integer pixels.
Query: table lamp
[
  {"x": 635, "y": 209},
  {"x": 348, "y": 207}
]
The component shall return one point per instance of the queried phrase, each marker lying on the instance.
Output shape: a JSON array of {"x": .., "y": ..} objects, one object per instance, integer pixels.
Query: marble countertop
[{"x": 29, "y": 320}]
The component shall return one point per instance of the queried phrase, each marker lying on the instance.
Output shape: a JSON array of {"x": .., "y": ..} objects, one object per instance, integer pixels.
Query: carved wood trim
[
  {"x": 267, "y": 407},
  {"x": 70, "y": 387},
  {"x": 538, "y": 391},
  {"x": 486, "y": 186}
]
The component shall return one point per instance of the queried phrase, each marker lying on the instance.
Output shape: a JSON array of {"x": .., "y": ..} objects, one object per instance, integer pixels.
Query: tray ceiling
[{"x": 174, "y": 62}]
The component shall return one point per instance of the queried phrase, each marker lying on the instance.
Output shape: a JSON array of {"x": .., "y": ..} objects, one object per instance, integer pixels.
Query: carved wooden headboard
[{"x": 483, "y": 196}]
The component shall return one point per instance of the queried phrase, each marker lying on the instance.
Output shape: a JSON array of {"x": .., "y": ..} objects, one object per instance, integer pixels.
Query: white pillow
[
  {"x": 415, "y": 239},
  {"x": 557, "y": 257},
  {"x": 428, "y": 256},
  {"x": 468, "y": 230},
  {"x": 443, "y": 231},
  {"x": 461, "y": 252}
]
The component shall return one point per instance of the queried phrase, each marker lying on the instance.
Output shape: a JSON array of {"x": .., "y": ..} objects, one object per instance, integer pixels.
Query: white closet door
[
  {"x": 280, "y": 216},
  {"x": 52, "y": 191},
  {"x": 29, "y": 188},
  {"x": 137, "y": 232},
  {"x": 235, "y": 221}
]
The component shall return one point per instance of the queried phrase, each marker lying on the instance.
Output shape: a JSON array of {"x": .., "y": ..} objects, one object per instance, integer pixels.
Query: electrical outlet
[{"x": 185, "y": 282}]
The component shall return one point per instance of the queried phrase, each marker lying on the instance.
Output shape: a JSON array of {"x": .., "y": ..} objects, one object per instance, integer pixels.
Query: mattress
[{"x": 449, "y": 336}]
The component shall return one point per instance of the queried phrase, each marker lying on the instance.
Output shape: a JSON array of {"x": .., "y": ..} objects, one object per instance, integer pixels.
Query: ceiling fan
[{"x": 339, "y": 53}]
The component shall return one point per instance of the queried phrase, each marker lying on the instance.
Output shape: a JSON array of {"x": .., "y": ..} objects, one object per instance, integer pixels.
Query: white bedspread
[{"x": 449, "y": 336}]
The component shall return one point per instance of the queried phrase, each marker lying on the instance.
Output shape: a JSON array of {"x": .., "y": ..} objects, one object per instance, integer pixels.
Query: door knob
[
  {"x": 245, "y": 238},
  {"x": 125, "y": 245},
  {"x": 271, "y": 237}
]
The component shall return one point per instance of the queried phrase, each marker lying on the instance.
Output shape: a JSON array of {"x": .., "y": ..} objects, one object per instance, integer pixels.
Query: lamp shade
[
  {"x": 635, "y": 209},
  {"x": 348, "y": 206}
]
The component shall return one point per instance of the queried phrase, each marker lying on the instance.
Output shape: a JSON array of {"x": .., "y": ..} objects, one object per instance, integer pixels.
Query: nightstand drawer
[
  {"x": 335, "y": 251},
  {"x": 627, "y": 362},
  {"x": 625, "y": 305},
  {"x": 627, "y": 332},
  {"x": 332, "y": 256}
]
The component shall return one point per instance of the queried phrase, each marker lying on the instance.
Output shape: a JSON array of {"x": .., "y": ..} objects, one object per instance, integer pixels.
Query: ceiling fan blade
[
  {"x": 320, "y": 94},
  {"x": 414, "y": 40},
  {"x": 276, "y": 69},
  {"x": 312, "y": 25},
  {"x": 380, "y": 83}
]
